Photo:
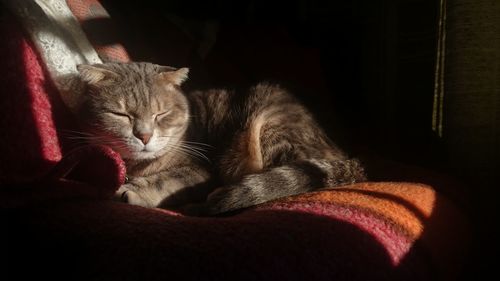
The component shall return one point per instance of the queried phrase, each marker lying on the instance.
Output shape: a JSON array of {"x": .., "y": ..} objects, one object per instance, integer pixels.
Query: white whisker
[{"x": 188, "y": 150}]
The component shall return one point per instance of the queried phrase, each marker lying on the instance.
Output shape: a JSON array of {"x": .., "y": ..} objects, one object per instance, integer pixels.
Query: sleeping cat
[{"x": 253, "y": 147}]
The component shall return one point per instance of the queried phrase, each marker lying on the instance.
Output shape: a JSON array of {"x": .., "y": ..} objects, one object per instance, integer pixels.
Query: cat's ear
[
  {"x": 96, "y": 75},
  {"x": 174, "y": 76}
]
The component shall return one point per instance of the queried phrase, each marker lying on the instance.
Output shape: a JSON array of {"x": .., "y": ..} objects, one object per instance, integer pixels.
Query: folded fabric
[{"x": 372, "y": 231}]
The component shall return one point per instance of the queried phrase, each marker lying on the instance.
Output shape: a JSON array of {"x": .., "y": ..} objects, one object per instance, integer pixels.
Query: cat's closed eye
[
  {"x": 121, "y": 115},
  {"x": 162, "y": 114}
]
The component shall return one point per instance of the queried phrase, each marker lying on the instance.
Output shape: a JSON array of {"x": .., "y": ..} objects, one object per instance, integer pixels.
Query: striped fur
[{"x": 256, "y": 146}]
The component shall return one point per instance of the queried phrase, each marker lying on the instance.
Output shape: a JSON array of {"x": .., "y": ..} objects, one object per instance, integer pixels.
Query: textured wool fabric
[
  {"x": 325, "y": 235},
  {"x": 28, "y": 143},
  {"x": 99, "y": 29},
  {"x": 61, "y": 225},
  {"x": 398, "y": 214},
  {"x": 31, "y": 149}
]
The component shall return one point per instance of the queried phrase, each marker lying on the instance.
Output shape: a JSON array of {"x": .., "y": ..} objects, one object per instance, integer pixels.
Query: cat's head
[{"x": 137, "y": 109}]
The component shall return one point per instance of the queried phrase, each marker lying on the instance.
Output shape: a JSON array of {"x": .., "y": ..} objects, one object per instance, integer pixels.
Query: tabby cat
[{"x": 254, "y": 146}]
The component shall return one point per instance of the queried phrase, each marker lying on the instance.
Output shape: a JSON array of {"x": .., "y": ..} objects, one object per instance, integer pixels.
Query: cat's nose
[{"x": 144, "y": 137}]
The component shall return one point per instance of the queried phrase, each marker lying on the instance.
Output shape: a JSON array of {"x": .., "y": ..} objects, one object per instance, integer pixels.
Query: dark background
[{"x": 365, "y": 68}]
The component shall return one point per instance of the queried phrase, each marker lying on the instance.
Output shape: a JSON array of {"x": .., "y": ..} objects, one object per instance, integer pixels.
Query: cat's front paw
[{"x": 127, "y": 194}]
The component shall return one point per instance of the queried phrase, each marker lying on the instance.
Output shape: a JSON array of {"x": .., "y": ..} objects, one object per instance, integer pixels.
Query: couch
[{"x": 61, "y": 223}]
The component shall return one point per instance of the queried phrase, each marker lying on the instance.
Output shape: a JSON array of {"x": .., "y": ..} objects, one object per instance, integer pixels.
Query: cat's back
[{"x": 218, "y": 106}]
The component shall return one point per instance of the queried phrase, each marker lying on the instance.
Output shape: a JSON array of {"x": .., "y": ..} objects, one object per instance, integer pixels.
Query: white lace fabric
[{"x": 60, "y": 41}]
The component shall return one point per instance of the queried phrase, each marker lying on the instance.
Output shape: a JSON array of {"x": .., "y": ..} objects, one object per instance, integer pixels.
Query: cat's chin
[
  {"x": 127, "y": 154},
  {"x": 141, "y": 155},
  {"x": 134, "y": 154}
]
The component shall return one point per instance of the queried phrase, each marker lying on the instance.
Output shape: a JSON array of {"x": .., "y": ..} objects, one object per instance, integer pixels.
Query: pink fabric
[
  {"x": 114, "y": 241},
  {"x": 29, "y": 146},
  {"x": 31, "y": 149},
  {"x": 394, "y": 240}
]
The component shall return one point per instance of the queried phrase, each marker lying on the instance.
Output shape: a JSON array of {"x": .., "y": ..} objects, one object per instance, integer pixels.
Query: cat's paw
[{"x": 127, "y": 194}]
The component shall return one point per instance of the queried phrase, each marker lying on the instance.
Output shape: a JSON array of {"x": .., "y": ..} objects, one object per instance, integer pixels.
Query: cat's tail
[{"x": 277, "y": 182}]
